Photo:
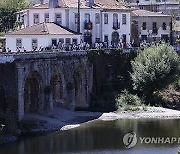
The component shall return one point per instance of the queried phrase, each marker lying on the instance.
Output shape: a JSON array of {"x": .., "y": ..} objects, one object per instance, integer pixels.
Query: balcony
[
  {"x": 116, "y": 25},
  {"x": 88, "y": 25}
]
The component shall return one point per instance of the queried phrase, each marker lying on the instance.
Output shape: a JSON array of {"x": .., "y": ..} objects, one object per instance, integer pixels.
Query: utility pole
[{"x": 78, "y": 26}]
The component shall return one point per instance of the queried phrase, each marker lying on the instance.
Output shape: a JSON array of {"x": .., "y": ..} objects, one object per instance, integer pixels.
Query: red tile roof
[
  {"x": 143, "y": 13},
  {"x": 43, "y": 29},
  {"x": 104, "y": 4}
]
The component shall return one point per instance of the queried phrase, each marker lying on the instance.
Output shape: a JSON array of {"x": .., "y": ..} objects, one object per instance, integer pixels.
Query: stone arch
[
  {"x": 2, "y": 98},
  {"x": 115, "y": 38},
  {"x": 79, "y": 88},
  {"x": 58, "y": 87},
  {"x": 33, "y": 93}
]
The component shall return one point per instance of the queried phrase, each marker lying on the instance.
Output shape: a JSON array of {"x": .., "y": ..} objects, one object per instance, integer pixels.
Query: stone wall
[{"x": 40, "y": 81}]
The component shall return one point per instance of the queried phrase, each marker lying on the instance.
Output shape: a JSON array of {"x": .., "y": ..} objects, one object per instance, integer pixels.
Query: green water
[{"x": 101, "y": 137}]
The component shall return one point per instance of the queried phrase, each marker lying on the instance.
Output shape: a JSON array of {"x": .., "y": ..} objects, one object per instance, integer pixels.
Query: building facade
[
  {"x": 150, "y": 27},
  {"x": 164, "y": 6},
  {"x": 100, "y": 21},
  {"x": 42, "y": 36}
]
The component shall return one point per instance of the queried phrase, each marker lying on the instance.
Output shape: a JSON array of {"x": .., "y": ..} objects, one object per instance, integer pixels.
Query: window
[
  {"x": 165, "y": 37},
  {"x": 36, "y": 18},
  {"x": 18, "y": 43},
  {"x": 97, "y": 18},
  {"x": 98, "y": 40},
  {"x": 115, "y": 18},
  {"x": 54, "y": 42},
  {"x": 58, "y": 18},
  {"x": 144, "y": 37},
  {"x": 144, "y": 26},
  {"x": 76, "y": 18},
  {"x": 164, "y": 26},
  {"x": 46, "y": 17},
  {"x": 87, "y": 17},
  {"x": 34, "y": 44},
  {"x": 154, "y": 26},
  {"x": 68, "y": 41},
  {"x": 61, "y": 40},
  {"x": 74, "y": 41},
  {"x": 105, "y": 18},
  {"x": 124, "y": 19},
  {"x": 115, "y": 21},
  {"x": 105, "y": 38}
]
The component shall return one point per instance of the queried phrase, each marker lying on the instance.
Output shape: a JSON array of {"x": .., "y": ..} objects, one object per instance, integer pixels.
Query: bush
[
  {"x": 169, "y": 96},
  {"x": 155, "y": 68},
  {"x": 128, "y": 101}
]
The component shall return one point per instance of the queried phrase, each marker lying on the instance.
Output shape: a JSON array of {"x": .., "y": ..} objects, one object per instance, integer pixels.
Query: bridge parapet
[{"x": 11, "y": 57}]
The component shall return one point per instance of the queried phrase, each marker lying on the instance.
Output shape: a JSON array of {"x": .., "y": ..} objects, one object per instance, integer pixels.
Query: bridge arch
[
  {"x": 58, "y": 87},
  {"x": 33, "y": 93},
  {"x": 79, "y": 87}
]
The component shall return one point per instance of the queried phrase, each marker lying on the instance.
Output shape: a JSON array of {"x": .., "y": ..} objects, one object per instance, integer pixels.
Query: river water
[{"x": 102, "y": 137}]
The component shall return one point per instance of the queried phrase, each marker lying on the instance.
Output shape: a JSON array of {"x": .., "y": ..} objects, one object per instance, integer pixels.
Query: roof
[
  {"x": 101, "y": 4},
  {"x": 145, "y": 13},
  {"x": 44, "y": 29}
]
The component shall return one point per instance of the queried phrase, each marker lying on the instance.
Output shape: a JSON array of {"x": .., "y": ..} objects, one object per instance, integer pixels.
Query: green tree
[
  {"x": 16, "y": 4},
  {"x": 8, "y": 9},
  {"x": 154, "y": 68}
]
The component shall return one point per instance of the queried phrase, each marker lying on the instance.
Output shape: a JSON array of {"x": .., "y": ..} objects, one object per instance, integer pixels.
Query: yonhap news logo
[{"x": 131, "y": 139}]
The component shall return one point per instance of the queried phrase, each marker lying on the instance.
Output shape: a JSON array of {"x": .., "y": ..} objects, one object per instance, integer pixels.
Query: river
[{"x": 102, "y": 137}]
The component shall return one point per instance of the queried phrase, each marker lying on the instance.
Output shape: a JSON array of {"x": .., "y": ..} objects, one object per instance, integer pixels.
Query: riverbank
[
  {"x": 65, "y": 119},
  {"x": 62, "y": 119},
  {"x": 148, "y": 112}
]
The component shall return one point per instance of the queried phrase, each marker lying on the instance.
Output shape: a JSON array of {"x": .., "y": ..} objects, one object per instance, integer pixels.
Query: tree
[
  {"x": 8, "y": 9},
  {"x": 16, "y": 4},
  {"x": 154, "y": 68}
]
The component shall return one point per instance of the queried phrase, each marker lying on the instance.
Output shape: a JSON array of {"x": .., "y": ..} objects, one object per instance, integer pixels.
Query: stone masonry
[{"x": 37, "y": 82}]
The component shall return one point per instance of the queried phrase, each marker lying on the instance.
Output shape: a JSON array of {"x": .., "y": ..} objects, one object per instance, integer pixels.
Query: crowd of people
[
  {"x": 69, "y": 47},
  {"x": 79, "y": 47}
]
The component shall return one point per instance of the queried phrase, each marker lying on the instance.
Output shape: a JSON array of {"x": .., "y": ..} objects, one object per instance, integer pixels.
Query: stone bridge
[{"x": 37, "y": 82}]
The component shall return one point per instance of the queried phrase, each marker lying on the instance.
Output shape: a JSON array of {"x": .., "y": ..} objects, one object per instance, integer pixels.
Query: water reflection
[{"x": 100, "y": 137}]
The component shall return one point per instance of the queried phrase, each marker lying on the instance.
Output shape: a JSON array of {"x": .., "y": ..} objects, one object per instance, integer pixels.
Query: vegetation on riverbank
[
  {"x": 111, "y": 75},
  {"x": 154, "y": 69},
  {"x": 150, "y": 76}
]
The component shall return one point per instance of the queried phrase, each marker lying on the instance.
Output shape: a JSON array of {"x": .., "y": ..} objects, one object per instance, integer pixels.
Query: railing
[{"x": 116, "y": 25}]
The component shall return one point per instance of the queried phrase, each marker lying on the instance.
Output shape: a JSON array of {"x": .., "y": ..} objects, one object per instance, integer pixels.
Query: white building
[
  {"x": 164, "y": 6},
  {"x": 100, "y": 20},
  {"x": 149, "y": 26},
  {"x": 42, "y": 35}
]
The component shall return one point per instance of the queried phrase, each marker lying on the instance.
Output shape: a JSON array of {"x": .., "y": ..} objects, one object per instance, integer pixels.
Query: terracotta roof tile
[
  {"x": 104, "y": 4},
  {"x": 147, "y": 13},
  {"x": 43, "y": 29}
]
